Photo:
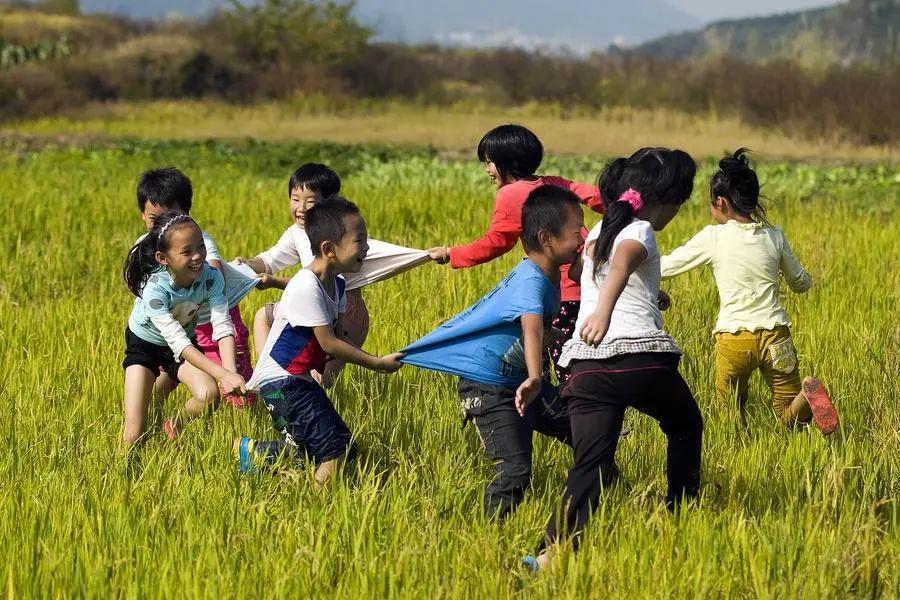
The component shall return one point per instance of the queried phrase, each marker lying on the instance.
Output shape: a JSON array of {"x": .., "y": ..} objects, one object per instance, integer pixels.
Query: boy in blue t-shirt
[{"x": 496, "y": 347}]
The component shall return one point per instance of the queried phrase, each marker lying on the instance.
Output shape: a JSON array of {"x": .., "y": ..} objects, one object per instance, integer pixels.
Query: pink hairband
[{"x": 632, "y": 197}]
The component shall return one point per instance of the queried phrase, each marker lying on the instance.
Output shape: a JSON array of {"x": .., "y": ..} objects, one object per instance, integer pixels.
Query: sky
[{"x": 714, "y": 10}]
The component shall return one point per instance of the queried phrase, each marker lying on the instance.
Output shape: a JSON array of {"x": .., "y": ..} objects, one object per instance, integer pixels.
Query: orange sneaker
[
  {"x": 824, "y": 415},
  {"x": 170, "y": 429}
]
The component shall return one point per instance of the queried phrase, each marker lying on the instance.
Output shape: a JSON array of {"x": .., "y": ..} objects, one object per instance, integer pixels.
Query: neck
[
  {"x": 740, "y": 218},
  {"x": 181, "y": 281},
  {"x": 546, "y": 264},
  {"x": 324, "y": 269}
]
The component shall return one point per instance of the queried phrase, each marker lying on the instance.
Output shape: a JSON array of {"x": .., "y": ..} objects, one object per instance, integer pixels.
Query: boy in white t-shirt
[
  {"x": 307, "y": 330},
  {"x": 310, "y": 184}
]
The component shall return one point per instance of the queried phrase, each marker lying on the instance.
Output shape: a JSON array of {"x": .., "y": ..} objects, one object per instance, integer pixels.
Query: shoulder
[
  {"x": 211, "y": 277},
  {"x": 639, "y": 230},
  {"x": 207, "y": 239},
  {"x": 594, "y": 233},
  {"x": 555, "y": 180},
  {"x": 156, "y": 291}
]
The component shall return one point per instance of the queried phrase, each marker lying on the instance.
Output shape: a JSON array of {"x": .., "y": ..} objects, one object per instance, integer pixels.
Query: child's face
[
  {"x": 349, "y": 254},
  {"x": 186, "y": 253},
  {"x": 302, "y": 200},
  {"x": 496, "y": 178},
  {"x": 563, "y": 247},
  {"x": 150, "y": 213}
]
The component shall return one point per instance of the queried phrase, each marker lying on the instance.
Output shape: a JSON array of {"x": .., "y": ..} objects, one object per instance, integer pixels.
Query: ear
[
  {"x": 722, "y": 203},
  {"x": 327, "y": 248},
  {"x": 161, "y": 258},
  {"x": 544, "y": 238}
]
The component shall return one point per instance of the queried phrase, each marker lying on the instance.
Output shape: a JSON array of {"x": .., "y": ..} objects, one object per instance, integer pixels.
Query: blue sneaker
[
  {"x": 531, "y": 562},
  {"x": 243, "y": 448}
]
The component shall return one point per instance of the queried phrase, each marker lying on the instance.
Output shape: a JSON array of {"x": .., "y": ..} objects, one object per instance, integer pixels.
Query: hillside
[{"x": 856, "y": 31}]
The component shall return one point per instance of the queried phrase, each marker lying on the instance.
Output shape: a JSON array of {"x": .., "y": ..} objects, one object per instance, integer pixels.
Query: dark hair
[
  {"x": 737, "y": 181},
  {"x": 317, "y": 178},
  {"x": 513, "y": 149},
  {"x": 661, "y": 175},
  {"x": 141, "y": 261},
  {"x": 325, "y": 221},
  {"x": 167, "y": 188},
  {"x": 545, "y": 209}
]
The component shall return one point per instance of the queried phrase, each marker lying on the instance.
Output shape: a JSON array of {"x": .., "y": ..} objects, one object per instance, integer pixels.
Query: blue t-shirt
[
  {"x": 484, "y": 342},
  {"x": 160, "y": 296}
]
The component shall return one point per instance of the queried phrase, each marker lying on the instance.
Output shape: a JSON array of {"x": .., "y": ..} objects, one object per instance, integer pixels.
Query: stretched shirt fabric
[
  {"x": 506, "y": 226},
  {"x": 484, "y": 342},
  {"x": 166, "y": 314},
  {"x": 292, "y": 347},
  {"x": 748, "y": 260},
  {"x": 383, "y": 260},
  {"x": 636, "y": 324}
]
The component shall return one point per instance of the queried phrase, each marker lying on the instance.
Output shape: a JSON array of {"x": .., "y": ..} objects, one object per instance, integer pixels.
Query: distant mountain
[
  {"x": 580, "y": 25},
  {"x": 856, "y": 31}
]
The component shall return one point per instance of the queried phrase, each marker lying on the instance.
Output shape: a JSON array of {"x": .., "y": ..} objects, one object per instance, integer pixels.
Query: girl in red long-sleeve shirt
[{"x": 511, "y": 154}]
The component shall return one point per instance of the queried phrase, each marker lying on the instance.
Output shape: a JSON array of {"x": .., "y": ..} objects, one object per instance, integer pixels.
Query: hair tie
[
  {"x": 176, "y": 218},
  {"x": 632, "y": 197}
]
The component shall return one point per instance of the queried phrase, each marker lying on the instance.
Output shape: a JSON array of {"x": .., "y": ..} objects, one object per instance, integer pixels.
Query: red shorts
[{"x": 210, "y": 349}]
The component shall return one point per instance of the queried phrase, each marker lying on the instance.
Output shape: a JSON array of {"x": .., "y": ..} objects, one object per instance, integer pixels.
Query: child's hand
[
  {"x": 526, "y": 394},
  {"x": 390, "y": 363},
  {"x": 594, "y": 329},
  {"x": 232, "y": 383},
  {"x": 439, "y": 254},
  {"x": 240, "y": 260},
  {"x": 266, "y": 281},
  {"x": 664, "y": 302}
]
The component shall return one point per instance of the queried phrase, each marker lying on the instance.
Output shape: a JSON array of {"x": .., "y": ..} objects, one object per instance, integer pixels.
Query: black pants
[
  {"x": 507, "y": 437},
  {"x": 597, "y": 393}
]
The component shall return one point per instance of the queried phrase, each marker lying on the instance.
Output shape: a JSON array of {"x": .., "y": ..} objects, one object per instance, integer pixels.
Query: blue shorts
[{"x": 303, "y": 413}]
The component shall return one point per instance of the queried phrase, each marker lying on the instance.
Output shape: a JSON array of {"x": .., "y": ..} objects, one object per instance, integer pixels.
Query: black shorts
[{"x": 153, "y": 356}]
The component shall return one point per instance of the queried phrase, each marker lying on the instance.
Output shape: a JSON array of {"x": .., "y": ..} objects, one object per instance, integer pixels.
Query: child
[
  {"x": 310, "y": 184},
  {"x": 496, "y": 347},
  {"x": 158, "y": 191},
  {"x": 168, "y": 274},
  {"x": 621, "y": 356},
  {"x": 306, "y": 331},
  {"x": 511, "y": 154},
  {"x": 748, "y": 258}
]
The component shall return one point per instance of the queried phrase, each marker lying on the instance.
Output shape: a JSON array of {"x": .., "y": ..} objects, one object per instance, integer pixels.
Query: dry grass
[{"x": 608, "y": 132}]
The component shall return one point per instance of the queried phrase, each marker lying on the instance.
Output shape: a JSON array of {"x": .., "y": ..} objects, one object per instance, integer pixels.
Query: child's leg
[
  {"x": 507, "y": 441},
  {"x": 565, "y": 322},
  {"x": 596, "y": 413},
  {"x": 262, "y": 325},
  {"x": 138, "y": 393},
  {"x": 204, "y": 394},
  {"x": 242, "y": 358},
  {"x": 781, "y": 370},
  {"x": 736, "y": 358},
  {"x": 356, "y": 330},
  {"x": 162, "y": 387}
]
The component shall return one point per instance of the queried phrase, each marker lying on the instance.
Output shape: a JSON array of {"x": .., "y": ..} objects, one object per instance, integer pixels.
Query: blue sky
[{"x": 711, "y": 10}]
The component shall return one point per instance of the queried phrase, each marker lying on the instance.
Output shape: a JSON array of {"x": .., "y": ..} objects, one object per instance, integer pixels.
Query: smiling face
[
  {"x": 302, "y": 199},
  {"x": 353, "y": 247},
  {"x": 185, "y": 253},
  {"x": 497, "y": 179},
  {"x": 562, "y": 248}
]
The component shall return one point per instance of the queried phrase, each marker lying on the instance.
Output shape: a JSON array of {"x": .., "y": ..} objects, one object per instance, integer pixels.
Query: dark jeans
[
  {"x": 597, "y": 394},
  {"x": 507, "y": 437},
  {"x": 303, "y": 413}
]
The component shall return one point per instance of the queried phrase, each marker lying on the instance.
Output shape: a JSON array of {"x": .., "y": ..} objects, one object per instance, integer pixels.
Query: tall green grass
[{"x": 782, "y": 514}]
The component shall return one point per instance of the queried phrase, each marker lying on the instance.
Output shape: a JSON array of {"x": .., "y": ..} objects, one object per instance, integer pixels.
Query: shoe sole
[{"x": 824, "y": 414}]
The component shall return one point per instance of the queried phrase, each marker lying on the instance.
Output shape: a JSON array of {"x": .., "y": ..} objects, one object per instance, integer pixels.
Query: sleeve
[
  {"x": 794, "y": 274},
  {"x": 696, "y": 252},
  {"x": 303, "y": 303},
  {"x": 641, "y": 232},
  {"x": 282, "y": 255},
  {"x": 587, "y": 193},
  {"x": 212, "y": 251},
  {"x": 502, "y": 235},
  {"x": 219, "y": 317},
  {"x": 526, "y": 297}
]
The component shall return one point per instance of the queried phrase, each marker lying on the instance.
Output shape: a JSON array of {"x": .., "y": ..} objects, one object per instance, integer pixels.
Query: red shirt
[{"x": 506, "y": 227}]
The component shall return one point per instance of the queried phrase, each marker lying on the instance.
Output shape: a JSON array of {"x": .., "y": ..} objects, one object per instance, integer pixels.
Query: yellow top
[{"x": 748, "y": 260}]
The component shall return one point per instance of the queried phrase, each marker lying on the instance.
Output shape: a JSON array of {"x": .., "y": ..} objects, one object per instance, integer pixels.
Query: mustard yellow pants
[{"x": 769, "y": 350}]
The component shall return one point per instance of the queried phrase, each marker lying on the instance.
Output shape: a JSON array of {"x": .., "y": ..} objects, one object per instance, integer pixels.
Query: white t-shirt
[
  {"x": 292, "y": 347},
  {"x": 636, "y": 324},
  {"x": 383, "y": 260}
]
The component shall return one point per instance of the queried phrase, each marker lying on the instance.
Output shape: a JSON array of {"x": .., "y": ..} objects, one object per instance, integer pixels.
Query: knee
[
  {"x": 513, "y": 476},
  {"x": 208, "y": 394}
]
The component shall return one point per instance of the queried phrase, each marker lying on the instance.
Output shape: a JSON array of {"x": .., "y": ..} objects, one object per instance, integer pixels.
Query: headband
[{"x": 632, "y": 197}]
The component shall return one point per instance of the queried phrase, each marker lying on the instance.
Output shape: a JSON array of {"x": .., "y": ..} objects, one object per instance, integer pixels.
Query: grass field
[{"x": 783, "y": 515}]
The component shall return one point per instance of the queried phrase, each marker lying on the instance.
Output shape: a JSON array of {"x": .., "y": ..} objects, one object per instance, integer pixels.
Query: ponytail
[
  {"x": 141, "y": 261},
  {"x": 649, "y": 176}
]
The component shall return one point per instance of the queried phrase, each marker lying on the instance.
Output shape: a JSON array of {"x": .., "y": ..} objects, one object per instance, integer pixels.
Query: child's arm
[
  {"x": 341, "y": 350},
  {"x": 533, "y": 340},
  {"x": 696, "y": 252},
  {"x": 628, "y": 256},
  {"x": 795, "y": 275},
  {"x": 588, "y": 194},
  {"x": 501, "y": 237},
  {"x": 255, "y": 263},
  {"x": 267, "y": 281}
]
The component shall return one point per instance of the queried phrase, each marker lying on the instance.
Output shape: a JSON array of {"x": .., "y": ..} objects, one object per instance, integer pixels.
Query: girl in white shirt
[
  {"x": 620, "y": 355},
  {"x": 749, "y": 258}
]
